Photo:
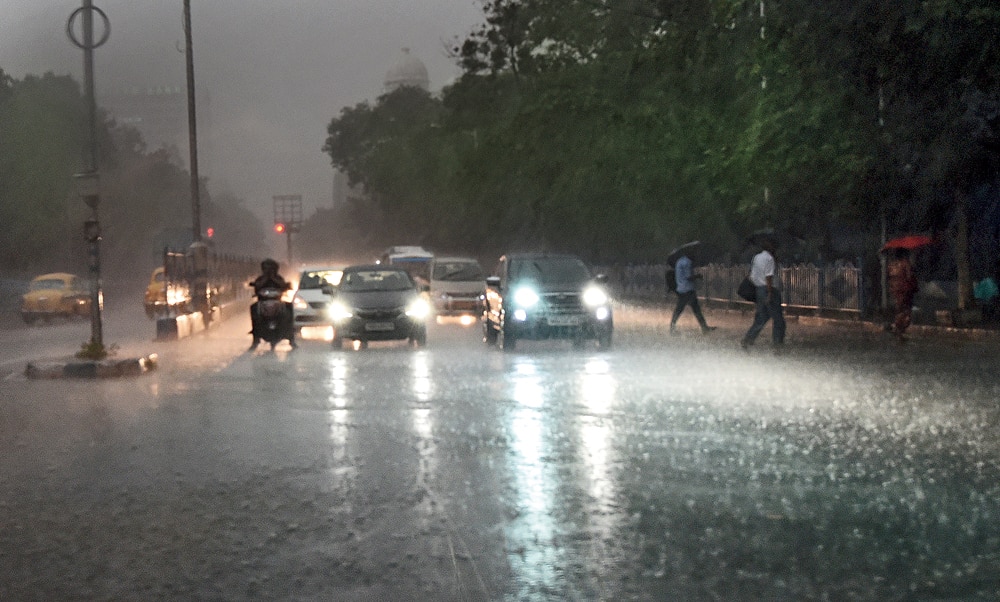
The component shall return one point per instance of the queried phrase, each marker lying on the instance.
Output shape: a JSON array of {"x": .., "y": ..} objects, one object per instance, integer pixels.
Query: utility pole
[
  {"x": 199, "y": 250},
  {"x": 192, "y": 126},
  {"x": 88, "y": 182}
]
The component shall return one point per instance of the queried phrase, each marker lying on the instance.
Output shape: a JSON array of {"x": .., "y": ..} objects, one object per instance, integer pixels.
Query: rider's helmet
[{"x": 269, "y": 265}]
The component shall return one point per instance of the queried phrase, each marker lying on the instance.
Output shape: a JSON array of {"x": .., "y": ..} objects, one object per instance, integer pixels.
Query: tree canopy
[
  {"x": 145, "y": 195},
  {"x": 620, "y": 128}
]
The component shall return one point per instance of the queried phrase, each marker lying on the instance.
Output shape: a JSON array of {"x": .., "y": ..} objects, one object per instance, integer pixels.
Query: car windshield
[
  {"x": 458, "y": 271},
  {"x": 48, "y": 284},
  {"x": 376, "y": 280},
  {"x": 319, "y": 278},
  {"x": 550, "y": 270}
]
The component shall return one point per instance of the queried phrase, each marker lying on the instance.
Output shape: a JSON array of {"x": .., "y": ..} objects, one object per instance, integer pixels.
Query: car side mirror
[
  {"x": 601, "y": 279},
  {"x": 493, "y": 282},
  {"x": 328, "y": 289}
]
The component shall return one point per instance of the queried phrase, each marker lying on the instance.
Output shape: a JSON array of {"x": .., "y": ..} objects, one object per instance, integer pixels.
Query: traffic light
[
  {"x": 210, "y": 232},
  {"x": 279, "y": 228}
]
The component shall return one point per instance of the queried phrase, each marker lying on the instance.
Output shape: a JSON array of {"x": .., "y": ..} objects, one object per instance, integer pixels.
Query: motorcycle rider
[{"x": 270, "y": 278}]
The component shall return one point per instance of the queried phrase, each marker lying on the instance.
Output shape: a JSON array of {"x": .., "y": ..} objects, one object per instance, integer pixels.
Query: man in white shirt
[{"x": 766, "y": 278}]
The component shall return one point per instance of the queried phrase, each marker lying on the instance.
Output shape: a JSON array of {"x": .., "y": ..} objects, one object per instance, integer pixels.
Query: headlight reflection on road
[
  {"x": 532, "y": 533},
  {"x": 597, "y": 389},
  {"x": 527, "y": 385},
  {"x": 598, "y": 386},
  {"x": 423, "y": 428},
  {"x": 340, "y": 419},
  {"x": 422, "y": 384},
  {"x": 338, "y": 381}
]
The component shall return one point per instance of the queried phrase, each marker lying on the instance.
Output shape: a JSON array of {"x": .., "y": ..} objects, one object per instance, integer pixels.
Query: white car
[
  {"x": 313, "y": 294},
  {"x": 457, "y": 286}
]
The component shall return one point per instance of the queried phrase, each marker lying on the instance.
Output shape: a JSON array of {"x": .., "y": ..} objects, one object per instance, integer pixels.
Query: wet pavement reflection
[{"x": 666, "y": 468}]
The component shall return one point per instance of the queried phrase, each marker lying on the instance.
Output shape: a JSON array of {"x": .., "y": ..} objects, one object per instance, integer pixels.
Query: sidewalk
[{"x": 656, "y": 317}]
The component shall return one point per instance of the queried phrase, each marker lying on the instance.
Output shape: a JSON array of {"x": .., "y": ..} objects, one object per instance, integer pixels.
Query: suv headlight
[
  {"x": 525, "y": 297},
  {"x": 418, "y": 309},
  {"x": 299, "y": 303},
  {"x": 338, "y": 311},
  {"x": 594, "y": 296}
]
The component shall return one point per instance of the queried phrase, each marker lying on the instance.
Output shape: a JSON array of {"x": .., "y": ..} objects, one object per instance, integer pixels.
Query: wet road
[{"x": 666, "y": 468}]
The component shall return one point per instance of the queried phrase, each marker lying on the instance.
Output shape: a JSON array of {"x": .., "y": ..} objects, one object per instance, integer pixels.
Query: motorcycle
[{"x": 272, "y": 319}]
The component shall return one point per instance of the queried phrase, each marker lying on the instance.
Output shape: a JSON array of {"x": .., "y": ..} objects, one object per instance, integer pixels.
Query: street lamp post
[
  {"x": 88, "y": 182},
  {"x": 89, "y": 191},
  {"x": 198, "y": 249}
]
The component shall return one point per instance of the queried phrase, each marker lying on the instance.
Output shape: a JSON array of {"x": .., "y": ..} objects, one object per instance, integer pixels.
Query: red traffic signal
[
  {"x": 279, "y": 228},
  {"x": 210, "y": 232}
]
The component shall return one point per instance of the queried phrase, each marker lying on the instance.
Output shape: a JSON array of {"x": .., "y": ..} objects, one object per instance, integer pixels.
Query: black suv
[{"x": 546, "y": 296}]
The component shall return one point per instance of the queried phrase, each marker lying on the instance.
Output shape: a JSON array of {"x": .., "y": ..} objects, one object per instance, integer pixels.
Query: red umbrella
[{"x": 913, "y": 241}]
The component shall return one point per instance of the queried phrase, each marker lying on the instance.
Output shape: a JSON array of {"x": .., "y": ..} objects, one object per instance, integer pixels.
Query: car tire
[
  {"x": 337, "y": 342},
  {"x": 506, "y": 340},
  {"x": 419, "y": 338},
  {"x": 604, "y": 340},
  {"x": 29, "y": 318},
  {"x": 489, "y": 332}
]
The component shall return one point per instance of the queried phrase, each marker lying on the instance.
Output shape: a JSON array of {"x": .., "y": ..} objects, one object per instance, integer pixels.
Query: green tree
[
  {"x": 620, "y": 129},
  {"x": 44, "y": 133},
  {"x": 42, "y": 126}
]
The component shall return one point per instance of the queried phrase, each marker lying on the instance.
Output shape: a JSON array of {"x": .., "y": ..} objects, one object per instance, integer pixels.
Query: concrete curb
[
  {"x": 73, "y": 368},
  {"x": 179, "y": 327},
  {"x": 167, "y": 329},
  {"x": 172, "y": 328}
]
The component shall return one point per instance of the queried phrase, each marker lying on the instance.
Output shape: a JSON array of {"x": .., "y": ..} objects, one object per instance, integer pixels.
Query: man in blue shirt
[{"x": 687, "y": 295}]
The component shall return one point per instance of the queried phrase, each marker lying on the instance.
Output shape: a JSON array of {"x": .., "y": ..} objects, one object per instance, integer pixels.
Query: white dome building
[{"x": 409, "y": 71}]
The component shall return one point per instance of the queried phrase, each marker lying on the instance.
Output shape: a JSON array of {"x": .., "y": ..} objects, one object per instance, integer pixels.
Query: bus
[{"x": 415, "y": 260}]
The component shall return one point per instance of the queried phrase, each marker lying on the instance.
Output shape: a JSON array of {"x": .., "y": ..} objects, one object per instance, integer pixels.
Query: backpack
[{"x": 671, "y": 278}]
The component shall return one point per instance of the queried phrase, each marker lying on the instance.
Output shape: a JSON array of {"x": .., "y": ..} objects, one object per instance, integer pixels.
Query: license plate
[
  {"x": 380, "y": 326},
  {"x": 564, "y": 320}
]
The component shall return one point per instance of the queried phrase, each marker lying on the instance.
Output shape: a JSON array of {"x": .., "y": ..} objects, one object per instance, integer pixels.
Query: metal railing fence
[{"x": 804, "y": 286}]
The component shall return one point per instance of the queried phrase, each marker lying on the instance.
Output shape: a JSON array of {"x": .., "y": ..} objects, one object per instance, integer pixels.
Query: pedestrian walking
[
  {"x": 987, "y": 294},
  {"x": 903, "y": 287},
  {"x": 687, "y": 294},
  {"x": 766, "y": 279}
]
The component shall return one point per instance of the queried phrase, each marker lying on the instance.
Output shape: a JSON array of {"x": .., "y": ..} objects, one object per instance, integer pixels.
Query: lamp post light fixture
[{"x": 88, "y": 188}]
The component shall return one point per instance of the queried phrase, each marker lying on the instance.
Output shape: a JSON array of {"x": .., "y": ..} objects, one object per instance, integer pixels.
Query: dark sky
[{"x": 275, "y": 71}]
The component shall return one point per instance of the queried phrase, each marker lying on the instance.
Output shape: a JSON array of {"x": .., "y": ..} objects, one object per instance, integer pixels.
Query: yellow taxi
[
  {"x": 155, "y": 298},
  {"x": 56, "y": 294},
  {"x": 163, "y": 296}
]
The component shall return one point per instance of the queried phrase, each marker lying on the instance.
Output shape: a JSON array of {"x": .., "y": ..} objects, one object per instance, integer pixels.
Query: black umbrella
[{"x": 685, "y": 249}]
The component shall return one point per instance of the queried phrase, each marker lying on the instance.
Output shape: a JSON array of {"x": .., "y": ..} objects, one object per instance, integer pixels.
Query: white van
[{"x": 457, "y": 286}]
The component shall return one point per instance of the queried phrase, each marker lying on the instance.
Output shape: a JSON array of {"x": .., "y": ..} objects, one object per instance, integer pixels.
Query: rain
[
  {"x": 849, "y": 462},
  {"x": 676, "y": 467}
]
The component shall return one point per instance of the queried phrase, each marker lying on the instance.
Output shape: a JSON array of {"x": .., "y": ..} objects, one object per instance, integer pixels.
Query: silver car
[{"x": 312, "y": 296}]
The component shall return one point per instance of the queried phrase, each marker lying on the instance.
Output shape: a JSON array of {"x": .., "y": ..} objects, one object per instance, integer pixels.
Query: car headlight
[
  {"x": 299, "y": 303},
  {"x": 594, "y": 297},
  {"x": 338, "y": 311},
  {"x": 525, "y": 297},
  {"x": 418, "y": 309}
]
